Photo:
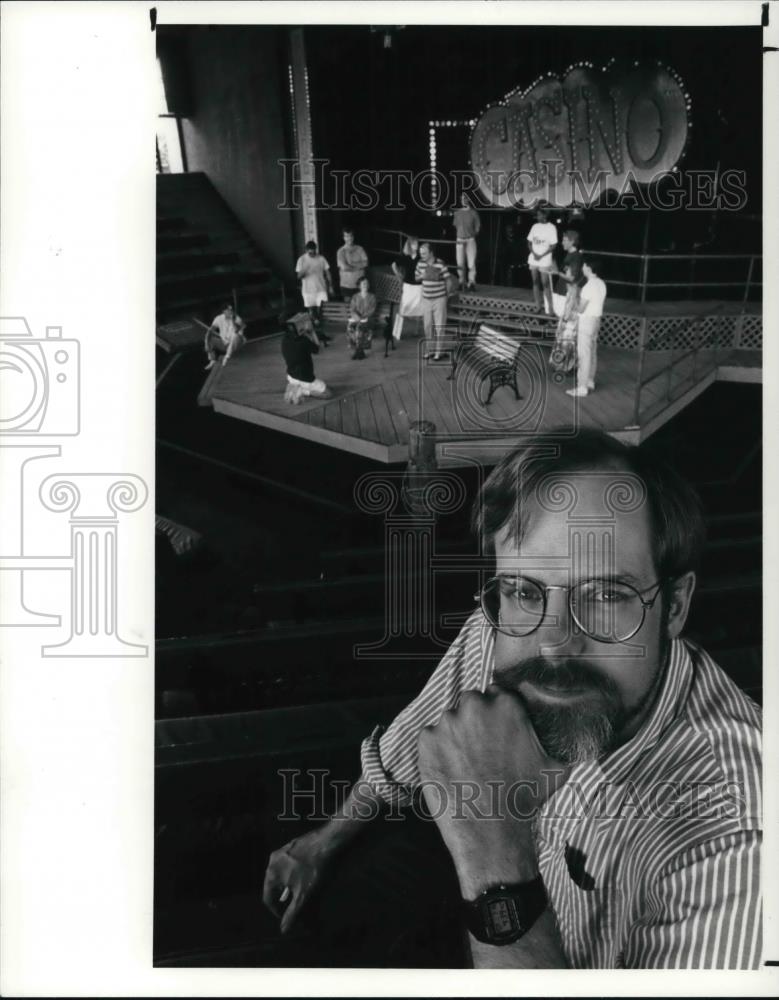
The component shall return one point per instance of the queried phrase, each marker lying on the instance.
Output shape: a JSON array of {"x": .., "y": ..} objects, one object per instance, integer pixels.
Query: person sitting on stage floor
[
  {"x": 591, "y": 299},
  {"x": 224, "y": 336},
  {"x": 432, "y": 274},
  {"x": 593, "y": 777},
  {"x": 313, "y": 272},
  {"x": 541, "y": 241},
  {"x": 404, "y": 267},
  {"x": 467, "y": 226},
  {"x": 362, "y": 315},
  {"x": 352, "y": 261},
  {"x": 298, "y": 344}
]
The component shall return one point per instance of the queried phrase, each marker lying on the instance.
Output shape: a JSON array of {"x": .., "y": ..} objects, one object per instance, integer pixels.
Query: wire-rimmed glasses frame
[{"x": 572, "y": 592}]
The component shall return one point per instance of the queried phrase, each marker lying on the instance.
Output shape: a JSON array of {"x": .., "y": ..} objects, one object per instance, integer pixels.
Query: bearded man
[{"x": 592, "y": 778}]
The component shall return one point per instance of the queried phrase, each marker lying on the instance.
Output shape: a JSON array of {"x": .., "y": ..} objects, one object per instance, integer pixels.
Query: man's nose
[{"x": 558, "y": 634}]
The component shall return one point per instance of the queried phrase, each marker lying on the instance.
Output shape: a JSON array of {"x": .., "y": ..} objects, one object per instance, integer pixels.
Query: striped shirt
[
  {"x": 651, "y": 856},
  {"x": 431, "y": 275}
]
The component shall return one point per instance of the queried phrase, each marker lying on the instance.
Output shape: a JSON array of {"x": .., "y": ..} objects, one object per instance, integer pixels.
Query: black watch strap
[{"x": 503, "y": 913}]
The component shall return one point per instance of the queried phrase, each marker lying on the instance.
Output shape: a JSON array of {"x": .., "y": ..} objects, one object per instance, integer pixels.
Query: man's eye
[
  {"x": 610, "y": 595},
  {"x": 521, "y": 592}
]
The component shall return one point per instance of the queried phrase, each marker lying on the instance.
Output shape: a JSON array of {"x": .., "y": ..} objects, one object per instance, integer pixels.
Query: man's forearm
[{"x": 362, "y": 805}]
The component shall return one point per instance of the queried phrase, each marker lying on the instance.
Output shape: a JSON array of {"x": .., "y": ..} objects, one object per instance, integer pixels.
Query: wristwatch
[{"x": 503, "y": 913}]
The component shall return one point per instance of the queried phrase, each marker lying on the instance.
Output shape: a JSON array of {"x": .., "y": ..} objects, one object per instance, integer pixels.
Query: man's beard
[{"x": 589, "y": 727}]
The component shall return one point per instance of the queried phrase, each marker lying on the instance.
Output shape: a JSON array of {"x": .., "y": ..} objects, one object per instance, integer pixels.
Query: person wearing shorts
[
  {"x": 313, "y": 272},
  {"x": 224, "y": 337},
  {"x": 541, "y": 241}
]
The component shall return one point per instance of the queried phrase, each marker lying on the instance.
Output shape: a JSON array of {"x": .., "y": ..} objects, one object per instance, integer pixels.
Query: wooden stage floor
[{"x": 375, "y": 400}]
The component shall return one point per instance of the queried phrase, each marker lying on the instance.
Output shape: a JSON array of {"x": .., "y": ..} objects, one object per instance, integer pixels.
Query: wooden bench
[
  {"x": 497, "y": 355},
  {"x": 522, "y": 329}
]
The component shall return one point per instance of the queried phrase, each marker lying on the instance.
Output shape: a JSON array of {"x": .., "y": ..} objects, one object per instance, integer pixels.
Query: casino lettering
[{"x": 569, "y": 140}]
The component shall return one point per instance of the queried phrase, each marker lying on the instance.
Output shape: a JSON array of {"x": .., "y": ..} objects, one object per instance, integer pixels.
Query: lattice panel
[
  {"x": 668, "y": 333},
  {"x": 478, "y": 303},
  {"x": 620, "y": 331},
  {"x": 752, "y": 332}
]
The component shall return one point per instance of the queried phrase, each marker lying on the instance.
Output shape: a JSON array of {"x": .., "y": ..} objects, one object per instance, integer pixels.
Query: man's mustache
[{"x": 558, "y": 675}]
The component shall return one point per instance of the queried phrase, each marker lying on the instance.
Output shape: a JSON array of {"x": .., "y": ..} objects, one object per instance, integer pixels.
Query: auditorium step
[{"x": 205, "y": 257}]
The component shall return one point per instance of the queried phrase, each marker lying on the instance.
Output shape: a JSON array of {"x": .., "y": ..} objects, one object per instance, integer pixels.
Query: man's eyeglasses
[{"x": 606, "y": 610}]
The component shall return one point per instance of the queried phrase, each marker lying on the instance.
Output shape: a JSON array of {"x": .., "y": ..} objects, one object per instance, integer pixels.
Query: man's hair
[
  {"x": 227, "y": 305},
  {"x": 542, "y": 210},
  {"x": 677, "y": 527},
  {"x": 347, "y": 231},
  {"x": 574, "y": 235},
  {"x": 311, "y": 245},
  {"x": 428, "y": 244},
  {"x": 593, "y": 263}
]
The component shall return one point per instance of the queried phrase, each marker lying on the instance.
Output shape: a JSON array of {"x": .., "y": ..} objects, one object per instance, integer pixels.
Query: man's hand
[
  {"x": 484, "y": 776},
  {"x": 293, "y": 873}
]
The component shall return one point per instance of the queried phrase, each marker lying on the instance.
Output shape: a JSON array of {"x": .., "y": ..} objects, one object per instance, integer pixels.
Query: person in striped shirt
[
  {"x": 595, "y": 778},
  {"x": 431, "y": 273}
]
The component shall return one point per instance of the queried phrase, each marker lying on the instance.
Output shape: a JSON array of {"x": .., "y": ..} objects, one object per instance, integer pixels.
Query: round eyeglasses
[{"x": 606, "y": 610}]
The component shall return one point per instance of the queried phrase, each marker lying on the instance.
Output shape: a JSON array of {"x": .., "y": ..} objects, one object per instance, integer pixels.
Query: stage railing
[
  {"x": 746, "y": 266},
  {"x": 695, "y": 347},
  {"x": 684, "y": 269}
]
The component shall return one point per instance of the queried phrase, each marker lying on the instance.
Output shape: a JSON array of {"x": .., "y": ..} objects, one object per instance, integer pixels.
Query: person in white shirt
[
  {"x": 313, "y": 272},
  {"x": 541, "y": 241},
  {"x": 591, "y": 300},
  {"x": 224, "y": 336}
]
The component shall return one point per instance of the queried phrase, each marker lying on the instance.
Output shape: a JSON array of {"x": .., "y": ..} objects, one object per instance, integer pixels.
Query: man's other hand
[
  {"x": 484, "y": 776},
  {"x": 294, "y": 871}
]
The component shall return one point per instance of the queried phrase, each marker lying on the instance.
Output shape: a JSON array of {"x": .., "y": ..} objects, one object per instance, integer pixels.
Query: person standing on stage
[
  {"x": 404, "y": 267},
  {"x": 541, "y": 241},
  {"x": 362, "y": 313},
  {"x": 431, "y": 274},
  {"x": 313, "y": 272},
  {"x": 591, "y": 300},
  {"x": 569, "y": 281},
  {"x": 352, "y": 261},
  {"x": 224, "y": 336},
  {"x": 467, "y": 224}
]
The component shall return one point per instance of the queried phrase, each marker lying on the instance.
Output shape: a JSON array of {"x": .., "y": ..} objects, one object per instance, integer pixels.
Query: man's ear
[{"x": 681, "y": 595}]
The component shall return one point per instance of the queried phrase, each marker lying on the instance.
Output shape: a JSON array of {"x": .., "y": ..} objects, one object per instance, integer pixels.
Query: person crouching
[{"x": 298, "y": 345}]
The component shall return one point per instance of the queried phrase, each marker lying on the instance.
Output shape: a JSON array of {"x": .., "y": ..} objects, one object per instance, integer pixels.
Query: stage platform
[{"x": 375, "y": 400}]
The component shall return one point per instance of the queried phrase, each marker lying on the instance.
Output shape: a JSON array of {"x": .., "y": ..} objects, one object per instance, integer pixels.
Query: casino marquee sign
[{"x": 570, "y": 140}]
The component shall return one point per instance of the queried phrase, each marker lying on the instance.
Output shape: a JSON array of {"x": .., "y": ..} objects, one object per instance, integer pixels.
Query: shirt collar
[{"x": 670, "y": 700}]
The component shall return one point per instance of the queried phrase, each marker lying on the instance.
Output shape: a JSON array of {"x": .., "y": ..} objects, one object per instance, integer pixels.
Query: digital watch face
[
  {"x": 502, "y": 920},
  {"x": 23, "y": 385}
]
